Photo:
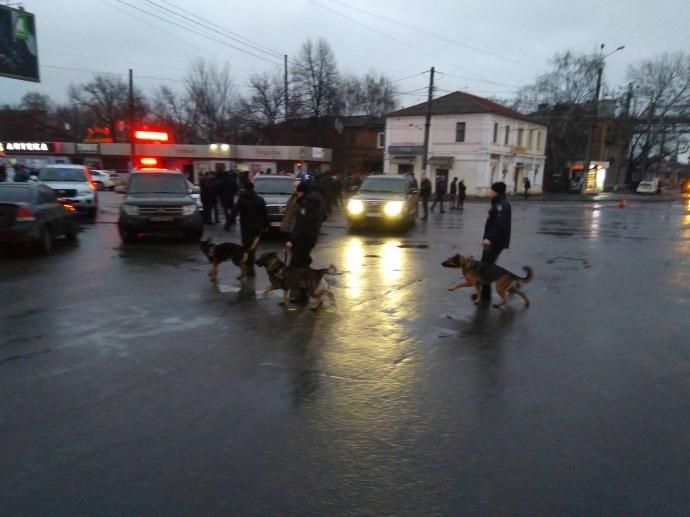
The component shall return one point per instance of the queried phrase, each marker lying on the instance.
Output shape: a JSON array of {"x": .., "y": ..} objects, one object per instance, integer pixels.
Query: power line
[
  {"x": 254, "y": 43},
  {"x": 156, "y": 16},
  {"x": 224, "y": 32},
  {"x": 410, "y": 92},
  {"x": 483, "y": 81},
  {"x": 381, "y": 33},
  {"x": 410, "y": 76},
  {"x": 438, "y": 36},
  {"x": 100, "y": 58},
  {"x": 85, "y": 71}
]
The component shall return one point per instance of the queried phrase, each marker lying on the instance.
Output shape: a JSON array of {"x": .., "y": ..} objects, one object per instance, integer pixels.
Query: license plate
[
  {"x": 275, "y": 225},
  {"x": 162, "y": 219}
]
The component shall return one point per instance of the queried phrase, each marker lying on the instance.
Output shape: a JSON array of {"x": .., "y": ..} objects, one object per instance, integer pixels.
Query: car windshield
[
  {"x": 152, "y": 183},
  {"x": 274, "y": 186},
  {"x": 62, "y": 174},
  {"x": 15, "y": 195},
  {"x": 381, "y": 184}
]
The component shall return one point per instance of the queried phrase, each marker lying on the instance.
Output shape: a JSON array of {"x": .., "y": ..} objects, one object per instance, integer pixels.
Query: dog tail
[{"x": 528, "y": 277}]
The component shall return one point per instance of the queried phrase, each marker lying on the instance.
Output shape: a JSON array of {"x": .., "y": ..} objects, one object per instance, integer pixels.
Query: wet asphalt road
[{"x": 129, "y": 384}]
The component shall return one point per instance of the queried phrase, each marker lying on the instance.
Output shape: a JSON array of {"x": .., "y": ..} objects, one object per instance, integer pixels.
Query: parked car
[
  {"x": 32, "y": 213},
  {"x": 159, "y": 201},
  {"x": 72, "y": 184},
  {"x": 102, "y": 180},
  {"x": 276, "y": 191},
  {"x": 387, "y": 200},
  {"x": 650, "y": 186}
]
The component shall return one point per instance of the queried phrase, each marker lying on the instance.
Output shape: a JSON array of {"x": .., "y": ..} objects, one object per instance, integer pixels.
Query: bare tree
[
  {"x": 315, "y": 78},
  {"x": 107, "y": 99},
  {"x": 266, "y": 99},
  {"x": 662, "y": 101},
  {"x": 371, "y": 95},
  {"x": 177, "y": 113},
  {"x": 211, "y": 92}
]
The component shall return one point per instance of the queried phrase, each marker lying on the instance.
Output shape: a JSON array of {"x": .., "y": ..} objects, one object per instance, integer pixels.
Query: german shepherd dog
[
  {"x": 286, "y": 278},
  {"x": 476, "y": 274},
  {"x": 217, "y": 253}
]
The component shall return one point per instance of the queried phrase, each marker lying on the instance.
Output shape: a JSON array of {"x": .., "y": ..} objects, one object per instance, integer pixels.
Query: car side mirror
[{"x": 195, "y": 190}]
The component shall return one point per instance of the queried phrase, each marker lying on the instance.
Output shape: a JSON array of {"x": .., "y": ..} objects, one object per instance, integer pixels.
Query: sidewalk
[{"x": 604, "y": 197}]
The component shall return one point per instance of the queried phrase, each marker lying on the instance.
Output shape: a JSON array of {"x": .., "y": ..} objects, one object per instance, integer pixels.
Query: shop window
[{"x": 380, "y": 140}]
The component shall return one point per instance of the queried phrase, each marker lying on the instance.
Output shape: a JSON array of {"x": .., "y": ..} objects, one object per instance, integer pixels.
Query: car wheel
[
  {"x": 126, "y": 235},
  {"x": 92, "y": 213},
  {"x": 72, "y": 231},
  {"x": 45, "y": 240}
]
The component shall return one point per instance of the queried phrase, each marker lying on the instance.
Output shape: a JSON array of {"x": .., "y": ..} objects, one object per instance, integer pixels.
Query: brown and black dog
[
  {"x": 476, "y": 274},
  {"x": 286, "y": 278},
  {"x": 217, "y": 253}
]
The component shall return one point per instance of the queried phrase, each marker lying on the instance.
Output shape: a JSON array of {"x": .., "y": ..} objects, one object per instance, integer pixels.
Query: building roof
[
  {"x": 460, "y": 103},
  {"x": 348, "y": 122}
]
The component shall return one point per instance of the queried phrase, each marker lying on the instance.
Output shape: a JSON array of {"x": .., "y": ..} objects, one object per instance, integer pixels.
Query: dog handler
[
  {"x": 253, "y": 221},
  {"x": 496, "y": 229},
  {"x": 305, "y": 231}
]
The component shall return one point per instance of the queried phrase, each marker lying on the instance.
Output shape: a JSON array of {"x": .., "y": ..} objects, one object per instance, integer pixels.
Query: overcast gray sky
[{"x": 490, "y": 47}]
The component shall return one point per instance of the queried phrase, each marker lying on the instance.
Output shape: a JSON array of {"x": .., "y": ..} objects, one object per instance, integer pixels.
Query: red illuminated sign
[
  {"x": 149, "y": 162},
  {"x": 152, "y": 136}
]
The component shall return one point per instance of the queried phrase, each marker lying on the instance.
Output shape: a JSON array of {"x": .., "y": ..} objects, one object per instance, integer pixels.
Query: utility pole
[
  {"x": 427, "y": 125},
  {"x": 285, "y": 87},
  {"x": 131, "y": 119},
  {"x": 595, "y": 113},
  {"x": 629, "y": 134}
]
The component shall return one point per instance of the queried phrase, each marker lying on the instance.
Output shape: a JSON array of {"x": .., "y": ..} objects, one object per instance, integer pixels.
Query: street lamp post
[{"x": 595, "y": 108}]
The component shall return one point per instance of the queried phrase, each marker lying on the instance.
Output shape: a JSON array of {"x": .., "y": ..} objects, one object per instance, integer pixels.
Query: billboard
[{"x": 18, "y": 46}]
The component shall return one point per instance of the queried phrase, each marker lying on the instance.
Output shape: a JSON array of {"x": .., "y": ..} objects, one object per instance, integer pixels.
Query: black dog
[
  {"x": 217, "y": 253},
  {"x": 286, "y": 278}
]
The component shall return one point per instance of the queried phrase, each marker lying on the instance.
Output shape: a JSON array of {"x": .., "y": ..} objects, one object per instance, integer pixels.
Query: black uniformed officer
[
  {"x": 496, "y": 229},
  {"x": 253, "y": 220}
]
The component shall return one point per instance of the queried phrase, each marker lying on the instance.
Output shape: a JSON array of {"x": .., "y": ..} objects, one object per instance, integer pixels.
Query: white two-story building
[{"x": 470, "y": 138}]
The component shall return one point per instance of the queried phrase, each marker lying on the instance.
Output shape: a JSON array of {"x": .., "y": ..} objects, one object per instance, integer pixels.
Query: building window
[
  {"x": 519, "y": 137},
  {"x": 538, "y": 140},
  {"x": 495, "y": 132},
  {"x": 460, "y": 132},
  {"x": 530, "y": 139},
  {"x": 380, "y": 140},
  {"x": 507, "y": 140}
]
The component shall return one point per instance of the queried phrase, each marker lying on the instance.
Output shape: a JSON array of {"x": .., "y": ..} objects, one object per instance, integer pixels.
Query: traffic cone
[{"x": 622, "y": 203}]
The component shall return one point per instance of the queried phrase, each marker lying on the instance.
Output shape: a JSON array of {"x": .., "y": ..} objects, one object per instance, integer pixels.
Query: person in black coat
[
  {"x": 496, "y": 229},
  {"x": 425, "y": 194},
  {"x": 454, "y": 194},
  {"x": 441, "y": 188},
  {"x": 227, "y": 190},
  {"x": 208, "y": 197},
  {"x": 462, "y": 192},
  {"x": 253, "y": 220}
]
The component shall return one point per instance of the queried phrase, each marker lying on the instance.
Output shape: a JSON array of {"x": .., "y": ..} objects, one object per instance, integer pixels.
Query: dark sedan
[{"x": 31, "y": 213}]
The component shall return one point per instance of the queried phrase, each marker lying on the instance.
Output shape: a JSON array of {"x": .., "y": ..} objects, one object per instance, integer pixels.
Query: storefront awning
[
  {"x": 441, "y": 161},
  {"x": 400, "y": 160}
]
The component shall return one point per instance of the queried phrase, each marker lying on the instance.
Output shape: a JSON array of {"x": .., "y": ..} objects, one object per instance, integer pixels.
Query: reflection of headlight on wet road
[
  {"x": 393, "y": 208},
  {"x": 355, "y": 207}
]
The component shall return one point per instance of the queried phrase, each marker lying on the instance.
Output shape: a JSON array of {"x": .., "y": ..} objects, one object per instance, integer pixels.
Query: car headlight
[
  {"x": 355, "y": 207},
  {"x": 189, "y": 209},
  {"x": 393, "y": 208},
  {"x": 130, "y": 209}
]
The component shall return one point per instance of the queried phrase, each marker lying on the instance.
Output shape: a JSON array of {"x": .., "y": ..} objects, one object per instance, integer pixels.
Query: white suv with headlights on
[
  {"x": 387, "y": 200},
  {"x": 73, "y": 185}
]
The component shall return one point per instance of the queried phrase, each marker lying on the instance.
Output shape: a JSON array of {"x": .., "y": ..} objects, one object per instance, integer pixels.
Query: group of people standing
[{"x": 458, "y": 192}]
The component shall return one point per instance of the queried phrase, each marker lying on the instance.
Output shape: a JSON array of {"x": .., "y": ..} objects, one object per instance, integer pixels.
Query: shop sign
[
  {"x": 406, "y": 150},
  {"x": 88, "y": 149},
  {"x": 268, "y": 152},
  {"x": 318, "y": 153},
  {"x": 27, "y": 147}
]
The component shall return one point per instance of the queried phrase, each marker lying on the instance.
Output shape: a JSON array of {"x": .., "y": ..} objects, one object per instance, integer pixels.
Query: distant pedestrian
[
  {"x": 227, "y": 191},
  {"x": 208, "y": 197},
  {"x": 441, "y": 188},
  {"x": 454, "y": 194},
  {"x": 462, "y": 192},
  {"x": 526, "y": 185},
  {"x": 496, "y": 229},
  {"x": 253, "y": 221},
  {"x": 425, "y": 194}
]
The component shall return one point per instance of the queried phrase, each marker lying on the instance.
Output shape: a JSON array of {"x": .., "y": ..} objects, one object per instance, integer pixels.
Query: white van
[{"x": 648, "y": 186}]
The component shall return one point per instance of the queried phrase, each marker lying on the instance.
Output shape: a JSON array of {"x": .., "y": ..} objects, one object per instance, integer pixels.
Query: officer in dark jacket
[
  {"x": 227, "y": 190},
  {"x": 253, "y": 220},
  {"x": 208, "y": 197},
  {"x": 307, "y": 226},
  {"x": 496, "y": 229}
]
